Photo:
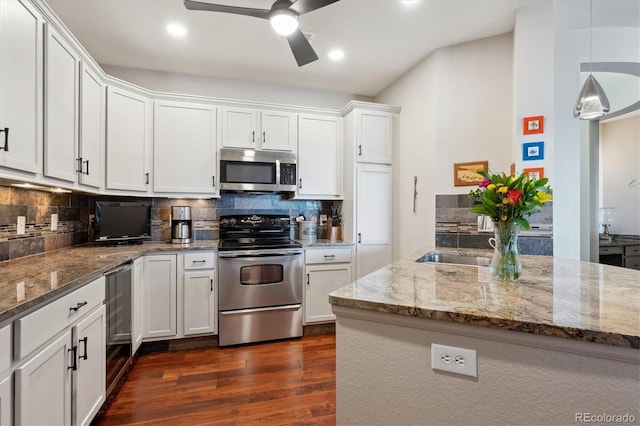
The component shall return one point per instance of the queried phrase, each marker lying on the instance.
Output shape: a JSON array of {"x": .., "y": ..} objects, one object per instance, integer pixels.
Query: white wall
[
  {"x": 620, "y": 165},
  {"x": 231, "y": 89},
  {"x": 456, "y": 107}
]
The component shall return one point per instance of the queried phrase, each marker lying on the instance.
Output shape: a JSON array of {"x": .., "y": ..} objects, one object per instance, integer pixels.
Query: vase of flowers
[{"x": 507, "y": 200}]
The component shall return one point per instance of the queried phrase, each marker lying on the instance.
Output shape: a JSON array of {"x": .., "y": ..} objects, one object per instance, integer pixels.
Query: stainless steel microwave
[{"x": 257, "y": 171}]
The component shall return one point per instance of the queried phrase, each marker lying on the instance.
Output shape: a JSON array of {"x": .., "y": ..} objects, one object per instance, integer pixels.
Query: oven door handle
[
  {"x": 271, "y": 308},
  {"x": 223, "y": 255}
]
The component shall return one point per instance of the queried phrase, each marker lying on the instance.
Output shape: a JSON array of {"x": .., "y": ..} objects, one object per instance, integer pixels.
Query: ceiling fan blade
[
  {"x": 302, "y": 50},
  {"x": 196, "y": 5},
  {"x": 304, "y": 6}
]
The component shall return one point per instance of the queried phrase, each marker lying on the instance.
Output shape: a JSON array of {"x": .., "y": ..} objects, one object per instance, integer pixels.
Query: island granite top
[
  {"x": 28, "y": 282},
  {"x": 554, "y": 297}
]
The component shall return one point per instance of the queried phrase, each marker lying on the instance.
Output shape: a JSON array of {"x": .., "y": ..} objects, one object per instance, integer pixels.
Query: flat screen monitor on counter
[{"x": 122, "y": 222}]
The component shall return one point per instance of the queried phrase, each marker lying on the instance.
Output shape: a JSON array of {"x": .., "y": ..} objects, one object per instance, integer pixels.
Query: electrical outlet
[
  {"x": 22, "y": 221},
  {"x": 54, "y": 221},
  {"x": 454, "y": 360}
]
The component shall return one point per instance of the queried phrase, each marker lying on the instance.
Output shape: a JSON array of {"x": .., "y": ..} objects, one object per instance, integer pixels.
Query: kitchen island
[{"x": 558, "y": 347}]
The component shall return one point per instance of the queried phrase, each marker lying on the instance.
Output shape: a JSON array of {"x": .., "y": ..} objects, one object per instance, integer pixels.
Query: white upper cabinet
[
  {"x": 373, "y": 136},
  {"x": 279, "y": 131},
  {"x": 184, "y": 148},
  {"x": 255, "y": 129},
  {"x": 128, "y": 140},
  {"x": 21, "y": 78},
  {"x": 319, "y": 157},
  {"x": 92, "y": 127},
  {"x": 61, "y": 107}
]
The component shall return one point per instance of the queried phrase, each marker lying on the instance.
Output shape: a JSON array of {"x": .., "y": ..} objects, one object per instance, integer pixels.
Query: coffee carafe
[{"x": 180, "y": 224}]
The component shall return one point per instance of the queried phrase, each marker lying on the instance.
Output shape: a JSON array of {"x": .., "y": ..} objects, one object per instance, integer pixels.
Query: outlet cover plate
[
  {"x": 22, "y": 221},
  {"x": 454, "y": 360},
  {"x": 54, "y": 222}
]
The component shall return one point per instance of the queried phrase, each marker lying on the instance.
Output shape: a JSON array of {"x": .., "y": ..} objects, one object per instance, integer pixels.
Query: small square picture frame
[
  {"x": 533, "y": 125},
  {"x": 533, "y": 151},
  {"x": 536, "y": 173}
]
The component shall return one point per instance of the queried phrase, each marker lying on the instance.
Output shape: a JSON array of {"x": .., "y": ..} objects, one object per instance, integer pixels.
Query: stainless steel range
[{"x": 259, "y": 279}]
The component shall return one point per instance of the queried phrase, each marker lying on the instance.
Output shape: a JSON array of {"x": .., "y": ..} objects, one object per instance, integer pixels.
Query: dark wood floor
[{"x": 285, "y": 382}]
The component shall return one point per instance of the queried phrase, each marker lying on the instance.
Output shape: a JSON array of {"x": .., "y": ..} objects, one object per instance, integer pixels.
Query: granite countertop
[
  {"x": 555, "y": 297},
  {"x": 619, "y": 241},
  {"x": 30, "y": 281},
  {"x": 320, "y": 243}
]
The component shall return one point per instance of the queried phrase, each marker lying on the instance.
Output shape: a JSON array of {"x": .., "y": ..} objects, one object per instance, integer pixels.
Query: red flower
[
  {"x": 484, "y": 183},
  {"x": 514, "y": 196}
]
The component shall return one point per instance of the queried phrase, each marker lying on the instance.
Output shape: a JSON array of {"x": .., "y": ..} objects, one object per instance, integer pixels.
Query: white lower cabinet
[
  {"x": 89, "y": 382},
  {"x": 43, "y": 385},
  {"x": 59, "y": 376},
  {"x": 6, "y": 397},
  {"x": 199, "y": 301},
  {"x": 326, "y": 270},
  {"x": 160, "y": 296},
  {"x": 6, "y": 401},
  {"x": 137, "y": 296}
]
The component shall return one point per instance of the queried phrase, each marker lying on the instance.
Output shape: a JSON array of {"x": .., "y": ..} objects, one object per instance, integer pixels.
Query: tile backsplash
[
  {"x": 74, "y": 212},
  {"x": 456, "y": 226}
]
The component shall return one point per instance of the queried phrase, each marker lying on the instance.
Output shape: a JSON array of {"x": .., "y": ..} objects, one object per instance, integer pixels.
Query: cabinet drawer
[
  {"x": 200, "y": 260},
  {"x": 632, "y": 251},
  {"x": 328, "y": 255},
  {"x": 36, "y": 328},
  {"x": 611, "y": 250},
  {"x": 5, "y": 348},
  {"x": 632, "y": 262}
]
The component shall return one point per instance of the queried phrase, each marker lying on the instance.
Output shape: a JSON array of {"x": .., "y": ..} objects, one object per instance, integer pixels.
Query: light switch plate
[
  {"x": 54, "y": 221},
  {"x": 22, "y": 221}
]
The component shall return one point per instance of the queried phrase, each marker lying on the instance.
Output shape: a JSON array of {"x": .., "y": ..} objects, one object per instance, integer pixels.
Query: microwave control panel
[{"x": 287, "y": 174}]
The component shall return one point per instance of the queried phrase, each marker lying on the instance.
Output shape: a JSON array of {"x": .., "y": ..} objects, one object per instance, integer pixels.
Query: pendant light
[{"x": 592, "y": 102}]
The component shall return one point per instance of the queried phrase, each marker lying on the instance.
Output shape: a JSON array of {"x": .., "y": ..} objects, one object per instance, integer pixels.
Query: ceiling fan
[{"x": 283, "y": 16}]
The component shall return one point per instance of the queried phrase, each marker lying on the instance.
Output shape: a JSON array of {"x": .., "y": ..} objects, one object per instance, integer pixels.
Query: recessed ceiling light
[
  {"x": 336, "y": 54},
  {"x": 409, "y": 2},
  {"x": 176, "y": 30}
]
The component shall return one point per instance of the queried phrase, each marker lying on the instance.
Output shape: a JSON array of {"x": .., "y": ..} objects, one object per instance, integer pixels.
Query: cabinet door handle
[
  {"x": 253, "y": 136},
  {"x": 264, "y": 137},
  {"x": 6, "y": 138},
  {"x": 359, "y": 149},
  {"x": 300, "y": 186},
  {"x": 198, "y": 261},
  {"x": 74, "y": 359},
  {"x": 329, "y": 256},
  {"x": 307, "y": 279},
  {"x": 211, "y": 280},
  {"x": 87, "y": 163},
  {"x": 85, "y": 340},
  {"x": 78, "y": 306},
  {"x": 214, "y": 181},
  {"x": 146, "y": 178},
  {"x": 79, "y": 165},
  {"x": 359, "y": 237}
]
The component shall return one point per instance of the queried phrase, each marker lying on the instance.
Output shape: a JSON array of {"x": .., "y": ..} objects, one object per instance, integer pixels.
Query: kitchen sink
[{"x": 454, "y": 259}]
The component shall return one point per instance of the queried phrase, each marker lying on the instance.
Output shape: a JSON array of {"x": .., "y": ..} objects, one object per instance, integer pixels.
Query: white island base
[{"x": 384, "y": 375}]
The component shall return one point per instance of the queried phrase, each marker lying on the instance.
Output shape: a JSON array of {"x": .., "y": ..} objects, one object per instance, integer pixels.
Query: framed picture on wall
[
  {"x": 466, "y": 174},
  {"x": 534, "y": 172},
  {"x": 532, "y": 125},
  {"x": 533, "y": 151}
]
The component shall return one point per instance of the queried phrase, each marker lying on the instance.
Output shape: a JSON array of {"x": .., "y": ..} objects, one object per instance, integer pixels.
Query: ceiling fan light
[
  {"x": 592, "y": 102},
  {"x": 284, "y": 21}
]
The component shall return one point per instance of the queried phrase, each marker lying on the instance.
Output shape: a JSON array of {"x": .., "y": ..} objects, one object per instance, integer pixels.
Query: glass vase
[{"x": 505, "y": 264}]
